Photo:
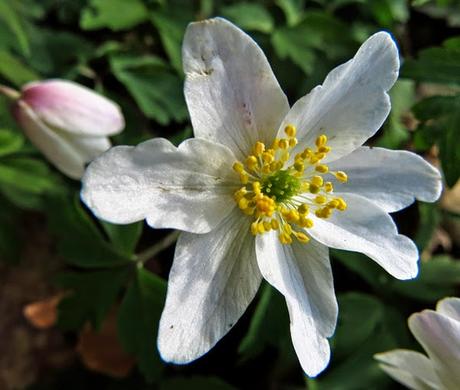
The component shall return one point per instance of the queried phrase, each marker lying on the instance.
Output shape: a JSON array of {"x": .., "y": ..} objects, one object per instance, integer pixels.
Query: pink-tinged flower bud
[{"x": 69, "y": 123}]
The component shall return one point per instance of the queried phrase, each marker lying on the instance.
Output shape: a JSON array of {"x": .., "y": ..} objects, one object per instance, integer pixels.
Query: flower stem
[
  {"x": 166, "y": 242},
  {"x": 9, "y": 92}
]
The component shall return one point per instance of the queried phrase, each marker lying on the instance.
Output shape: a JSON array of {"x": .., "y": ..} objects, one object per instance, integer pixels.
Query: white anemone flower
[
  {"x": 69, "y": 123},
  {"x": 439, "y": 334},
  {"x": 260, "y": 191}
]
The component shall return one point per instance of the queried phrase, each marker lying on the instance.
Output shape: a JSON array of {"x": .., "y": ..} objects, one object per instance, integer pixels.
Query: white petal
[
  {"x": 364, "y": 227},
  {"x": 68, "y": 152},
  {"x": 302, "y": 273},
  {"x": 352, "y": 103},
  {"x": 390, "y": 179},
  {"x": 231, "y": 92},
  {"x": 410, "y": 368},
  {"x": 188, "y": 188},
  {"x": 440, "y": 337},
  {"x": 73, "y": 108},
  {"x": 450, "y": 307},
  {"x": 213, "y": 279}
]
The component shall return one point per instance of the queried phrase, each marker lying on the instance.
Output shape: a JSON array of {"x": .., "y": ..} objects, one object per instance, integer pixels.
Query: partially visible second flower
[
  {"x": 67, "y": 122},
  {"x": 439, "y": 334}
]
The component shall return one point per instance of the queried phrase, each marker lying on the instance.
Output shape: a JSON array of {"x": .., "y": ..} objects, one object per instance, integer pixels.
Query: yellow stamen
[
  {"x": 290, "y": 130},
  {"x": 341, "y": 176},
  {"x": 281, "y": 197}
]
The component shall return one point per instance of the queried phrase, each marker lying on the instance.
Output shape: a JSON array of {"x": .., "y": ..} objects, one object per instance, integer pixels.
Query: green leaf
[
  {"x": 269, "y": 324},
  {"x": 429, "y": 220},
  {"x": 157, "y": 91},
  {"x": 80, "y": 242},
  {"x": 441, "y": 115},
  {"x": 249, "y": 16},
  {"x": 178, "y": 138},
  {"x": 138, "y": 319},
  {"x": 319, "y": 32},
  {"x": 195, "y": 383},
  {"x": 10, "y": 142},
  {"x": 171, "y": 28},
  {"x": 15, "y": 71},
  {"x": 360, "y": 314},
  {"x": 9, "y": 15},
  {"x": 113, "y": 14},
  {"x": 389, "y": 12},
  {"x": 124, "y": 237},
  {"x": 26, "y": 174},
  {"x": 59, "y": 52},
  {"x": 437, "y": 65},
  {"x": 293, "y": 10},
  {"x": 361, "y": 332},
  {"x": 363, "y": 266},
  {"x": 439, "y": 277},
  {"x": 92, "y": 294},
  {"x": 297, "y": 44},
  {"x": 402, "y": 97}
]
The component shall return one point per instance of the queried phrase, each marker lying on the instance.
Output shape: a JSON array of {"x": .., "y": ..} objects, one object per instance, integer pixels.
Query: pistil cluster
[{"x": 280, "y": 192}]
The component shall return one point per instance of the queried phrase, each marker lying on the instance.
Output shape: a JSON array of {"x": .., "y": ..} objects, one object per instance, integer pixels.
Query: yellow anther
[
  {"x": 303, "y": 209},
  {"x": 268, "y": 157},
  {"x": 266, "y": 168},
  {"x": 285, "y": 238},
  {"x": 307, "y": 153},
  {"x": 260, "y": 228},
  {"x": 342, "y": 204},
  {"x": 320, "y": 199},
  {"x": 341, "y": 176},
  {"x": 317, "y": 181},
  {"x": 259, "y": 148},
  {"x": 251, "y": 162},
  {"x": 244, "y": 177},
  {"x": 290, "y": 130},
  {"x": 283, "y": 143},
  {"x": 240, "y": 193},
  {"x": 314, "y": 159},
  {"x": 275, "y": 224},
  {"x": 305, "y": 187},
  {"x": 243, "y": 203},
  {"x": 249, "y": 211},
  {"x": 238, "y": 167},
  {"x": 256, "y": 187},
  {"x": 299, "y": 166},
  {"x": 324, "y": 149},
  {"x": 254, "y": 228},
  {"x": 286, "y": 228},
  {"x": 333, "y": 204},
  {"x": 267, "y": 226},
  {"x": 302, "y": 237},
  {"x": 321, "y": 168},
  {"x": 292, "y": 142},
  {"x": 328, "y": 187},
  {"x": 314, "y": 189},
  {"x": 305, "y": 222},
  {"x": 292, "y": 215},
  {"x": 284, "y": 158},
  {"x": 275, "y": 144},
  {"x": 325, "y": 212},
  {"x": 321, "y": 140}
]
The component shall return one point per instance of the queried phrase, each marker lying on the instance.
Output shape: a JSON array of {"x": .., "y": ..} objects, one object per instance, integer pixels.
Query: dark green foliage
[{"x": 138, "y": 320}]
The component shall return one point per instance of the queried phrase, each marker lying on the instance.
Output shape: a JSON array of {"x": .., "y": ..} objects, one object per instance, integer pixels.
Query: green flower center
[{"x": 281, "y": 185}]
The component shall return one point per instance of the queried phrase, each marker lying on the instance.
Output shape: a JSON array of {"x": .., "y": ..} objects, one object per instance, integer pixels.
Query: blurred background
[{"x": 80, "y": 299}]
